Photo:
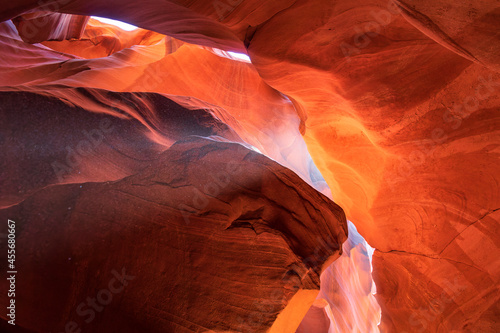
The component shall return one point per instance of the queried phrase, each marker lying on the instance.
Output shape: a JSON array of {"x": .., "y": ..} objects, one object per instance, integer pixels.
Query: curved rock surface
[
  {"x": 43, "y": 26},
  {"x": 397, "y": 101},
  {"x": 211, "y": 237},
  {"x": 40, "y": 146}
]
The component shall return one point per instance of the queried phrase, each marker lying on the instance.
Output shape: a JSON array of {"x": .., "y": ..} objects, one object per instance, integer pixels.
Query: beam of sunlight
[
  {"x": 119, "y": 24},
  {"x": 239, "y": 56},
  {"x": 231, "y": 55}
]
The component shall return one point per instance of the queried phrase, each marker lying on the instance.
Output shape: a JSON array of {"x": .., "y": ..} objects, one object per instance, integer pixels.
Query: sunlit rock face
[
  {"x": 346, "y": 302},
  {"x": 395, "y": 101}
]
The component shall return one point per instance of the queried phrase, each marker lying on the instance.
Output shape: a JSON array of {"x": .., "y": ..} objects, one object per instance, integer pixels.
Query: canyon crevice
[{"x": 388, "y": 108}]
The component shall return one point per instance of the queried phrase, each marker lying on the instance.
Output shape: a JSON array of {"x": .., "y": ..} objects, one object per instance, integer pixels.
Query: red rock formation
[
  {"x": 469, "y": 29},
  {"x": 398, "y": 103},
  {"x": 41, "y": 26},
  {"x": 101, "y": 40},
  {"x": 216, "y": 238},
  {"x": 43, "y": 148}
]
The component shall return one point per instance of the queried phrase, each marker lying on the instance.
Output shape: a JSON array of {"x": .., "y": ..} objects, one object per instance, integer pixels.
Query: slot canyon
[{"x": 219, "y": 166}]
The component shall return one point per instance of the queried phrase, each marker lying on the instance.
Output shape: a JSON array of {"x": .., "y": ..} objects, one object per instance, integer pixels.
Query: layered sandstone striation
[
  {"x": 216, "y": 237},
  {"x": 397, "y": 102},
  {"x": 42, "y": 147}
]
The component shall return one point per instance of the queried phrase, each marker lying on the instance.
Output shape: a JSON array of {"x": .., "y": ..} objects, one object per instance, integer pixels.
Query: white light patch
[
  {"x": 239, "y": 56},
  {"x": 119, "y": 24},
  {"x": 231, "y": 55}
]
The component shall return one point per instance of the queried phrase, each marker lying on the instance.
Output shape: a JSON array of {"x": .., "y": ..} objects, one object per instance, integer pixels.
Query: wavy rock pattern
[
  {"x": 41, "y": 146},
  {"x": 42, "y": 26},
  {"x": 212, "y": 232},
  {"x": 397, "y": 102}
]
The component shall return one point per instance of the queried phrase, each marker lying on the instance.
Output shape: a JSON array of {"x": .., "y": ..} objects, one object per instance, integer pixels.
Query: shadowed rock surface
[
  {"x": 216, "y": 236},
  {"x": 46, "y": 140}
]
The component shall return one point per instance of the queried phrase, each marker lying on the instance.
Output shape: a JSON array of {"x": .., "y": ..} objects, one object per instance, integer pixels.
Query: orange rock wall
[{"x": 397, "y": 103}]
